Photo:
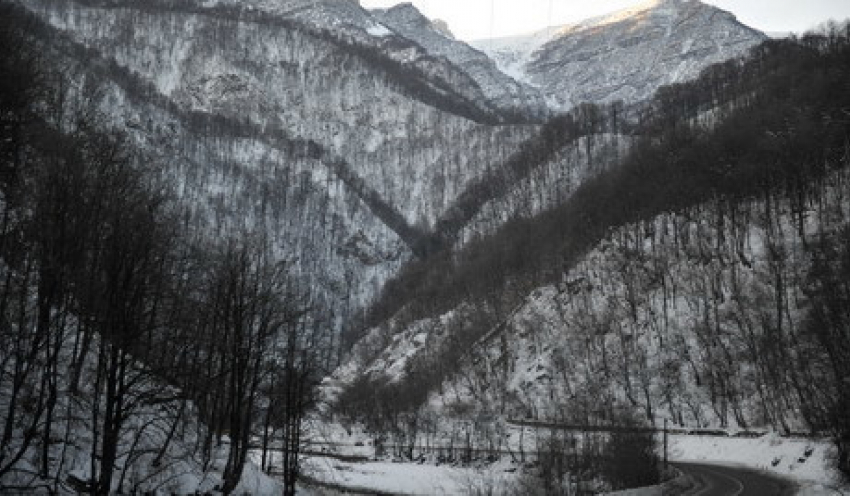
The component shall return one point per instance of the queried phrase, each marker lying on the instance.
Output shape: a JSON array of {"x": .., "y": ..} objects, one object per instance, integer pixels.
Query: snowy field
[{"x": 410, "y": 478}]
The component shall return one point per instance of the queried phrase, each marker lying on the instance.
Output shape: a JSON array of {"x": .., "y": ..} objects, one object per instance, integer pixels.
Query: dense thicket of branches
[{"x": 115, "y": 324}]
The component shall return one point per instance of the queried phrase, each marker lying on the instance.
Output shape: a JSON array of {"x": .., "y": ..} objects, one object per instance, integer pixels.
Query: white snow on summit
[{"x": 625, "y": 55}]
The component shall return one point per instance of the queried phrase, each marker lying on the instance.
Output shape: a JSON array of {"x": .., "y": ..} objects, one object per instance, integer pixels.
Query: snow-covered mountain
[
  {"x": 342, "y": 150},
  {"x": 374, "y": 122},
  {"x": 403, "y": 34},
  {"x": 665, "y": 283},
  {"x": 400, "y": 25},
  {"x": 398, "y": 117},
  {"x": 499, "y": 87},
  {"x": 625, "y": 55}
]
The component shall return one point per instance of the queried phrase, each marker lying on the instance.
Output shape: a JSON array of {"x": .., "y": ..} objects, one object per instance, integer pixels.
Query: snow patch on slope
[
  {"x": 379, "y": 30},
  {"x": 512, "y": 53}
]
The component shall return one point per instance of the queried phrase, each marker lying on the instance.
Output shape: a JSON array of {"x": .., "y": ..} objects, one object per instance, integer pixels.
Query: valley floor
[{"x": 350, "y": 464}]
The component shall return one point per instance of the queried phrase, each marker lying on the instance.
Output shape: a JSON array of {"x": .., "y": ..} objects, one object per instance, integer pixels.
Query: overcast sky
[{"x": 477, "y": 19}]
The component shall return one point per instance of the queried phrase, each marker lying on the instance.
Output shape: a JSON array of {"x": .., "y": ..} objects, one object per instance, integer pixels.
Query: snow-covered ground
[
  {"x": 805, "y": 461},
  {"x": 410, "y": 478}
]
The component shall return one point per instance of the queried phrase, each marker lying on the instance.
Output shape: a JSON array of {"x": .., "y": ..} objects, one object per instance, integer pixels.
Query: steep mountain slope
[
  {"x": 626, "y": 55},
  {"x": 270, "y": 124},
  {"x": 366, "y": 110},
  {"x": 512, "y": 53},
  {"x": 499, "y": 88},
  {"x": 405, "y": 36},
  {"x": 671, "y": 317},
  {"x": 702, "y": 280},
  {"x": 673, "y": 327}
]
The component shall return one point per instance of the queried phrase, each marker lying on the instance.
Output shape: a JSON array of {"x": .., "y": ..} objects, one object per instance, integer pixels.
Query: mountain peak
[
  {"x": 664, "y": 8},
  {"x": 409, "y": 14},
  {"x": 625, "y": 55},
  {"x": 442, "y": 27},
  {"x": 668, "y": 3},
  {"x": 404, "y": 8},
  {"x": 405, "y": 12},
  {"x": 437, "y": 40}
]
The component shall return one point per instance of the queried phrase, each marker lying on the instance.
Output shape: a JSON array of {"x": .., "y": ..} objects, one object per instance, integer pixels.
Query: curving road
[{"x": 720, "y": 480}]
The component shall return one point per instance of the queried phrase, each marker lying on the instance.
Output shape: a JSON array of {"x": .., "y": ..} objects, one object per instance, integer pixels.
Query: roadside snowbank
[
  {"x": 806, "y": 461},
  {"x": 408, "y": 478}
]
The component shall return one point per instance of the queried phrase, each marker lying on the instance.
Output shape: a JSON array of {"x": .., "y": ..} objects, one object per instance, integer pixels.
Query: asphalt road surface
[{"x": 720, "y": 480}]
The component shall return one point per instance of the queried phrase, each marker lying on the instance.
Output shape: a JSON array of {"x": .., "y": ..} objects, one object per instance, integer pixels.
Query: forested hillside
[
  {"x": 137, "y": 353},
  {"x": 349, "y": 151},
  {"x": 701, "y": 278}
]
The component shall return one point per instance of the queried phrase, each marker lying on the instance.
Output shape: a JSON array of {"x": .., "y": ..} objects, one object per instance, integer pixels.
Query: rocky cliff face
[
  {"x": 505, "y": 92},
  {"x": 626, "y": 55}
]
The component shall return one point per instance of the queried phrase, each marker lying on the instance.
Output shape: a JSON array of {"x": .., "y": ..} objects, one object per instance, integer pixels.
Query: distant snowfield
[{"x": 513, "y": 53}]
